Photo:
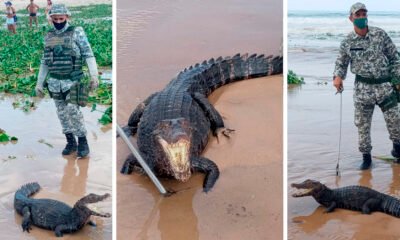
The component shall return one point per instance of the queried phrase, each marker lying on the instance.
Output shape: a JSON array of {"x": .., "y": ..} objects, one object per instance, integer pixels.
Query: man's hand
[
  {"x": 338, "y": 83},
  {"x": 94, "y": 82},
  {"x": 39, "y": 91}
]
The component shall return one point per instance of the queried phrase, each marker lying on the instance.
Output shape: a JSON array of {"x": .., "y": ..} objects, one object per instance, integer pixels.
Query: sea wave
[{"x": 326, "y": 29}]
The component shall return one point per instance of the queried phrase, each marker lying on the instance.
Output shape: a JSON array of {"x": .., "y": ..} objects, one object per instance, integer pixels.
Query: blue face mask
[{"x": 361, "y": 23}]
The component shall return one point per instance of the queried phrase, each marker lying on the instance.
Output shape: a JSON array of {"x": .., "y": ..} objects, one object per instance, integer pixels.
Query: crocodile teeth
[{"x": 303, "y": 192}]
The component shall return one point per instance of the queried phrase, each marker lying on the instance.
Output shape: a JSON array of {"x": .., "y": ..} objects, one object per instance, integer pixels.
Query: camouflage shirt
[
  {"x": 372, "y": 56},
  {"x": 81, "y": 46}
]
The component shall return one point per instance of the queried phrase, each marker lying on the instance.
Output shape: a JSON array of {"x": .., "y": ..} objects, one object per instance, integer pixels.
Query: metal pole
[
  {"x": 340, "y": 132},
  {"x": 146, "y": 168}
]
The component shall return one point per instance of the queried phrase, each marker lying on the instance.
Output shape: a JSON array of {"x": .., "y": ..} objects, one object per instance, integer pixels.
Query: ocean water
[
  {"x": 314, "y": 39},
  {"x": 316, "y": 30}
]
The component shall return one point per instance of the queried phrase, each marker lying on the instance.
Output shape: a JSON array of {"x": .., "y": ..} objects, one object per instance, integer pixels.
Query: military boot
[
  {"x": 366, "y": 161},
  {"x": 71, "y": 144},
  {"x": 83, "y": 147},
  {"x": 396, "y": 152}
]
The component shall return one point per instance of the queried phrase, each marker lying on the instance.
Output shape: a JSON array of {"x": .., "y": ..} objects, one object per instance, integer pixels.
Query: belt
[
  {"x": 60, "y": 76},
  {"x": 372, "y": 80}
]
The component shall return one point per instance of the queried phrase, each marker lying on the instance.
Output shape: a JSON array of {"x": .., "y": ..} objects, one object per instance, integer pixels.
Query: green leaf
[
  {"x": 93, "y": 107},
  {"x": 46, "y": 143},
  {"x": 385, "y": 158},
  {"x": 105, "y": 119},
  {"x": 4, "y": 137},
  {"x": 292, "y": 78}
]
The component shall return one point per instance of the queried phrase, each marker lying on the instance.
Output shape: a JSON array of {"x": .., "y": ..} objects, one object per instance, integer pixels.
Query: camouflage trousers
[
  {"x": 366, "y": 96},
  {"x": 71, "y": 118}
]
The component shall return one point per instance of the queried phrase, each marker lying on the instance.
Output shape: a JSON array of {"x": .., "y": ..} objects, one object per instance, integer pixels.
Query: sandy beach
[{"x": 155, "y": 42}]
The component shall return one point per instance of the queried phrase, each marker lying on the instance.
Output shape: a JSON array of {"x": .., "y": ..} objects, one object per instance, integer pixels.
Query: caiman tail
[
  {"x": 391, "y": 206},
  {"x": 221, "y": 71},
  {"x": 28, "y": 190},
  {"x": 21, "y": 196}
]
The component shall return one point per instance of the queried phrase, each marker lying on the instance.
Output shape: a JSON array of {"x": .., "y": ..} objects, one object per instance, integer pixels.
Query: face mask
[
  {"x": 59, "y": 26},
  {"x": 361, "y": 23}
]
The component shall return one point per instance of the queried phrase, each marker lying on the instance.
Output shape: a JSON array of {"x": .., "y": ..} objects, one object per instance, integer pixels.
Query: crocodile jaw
[
  {"x": 303, "y": 192},
  {"x": 178, "y": 156}
]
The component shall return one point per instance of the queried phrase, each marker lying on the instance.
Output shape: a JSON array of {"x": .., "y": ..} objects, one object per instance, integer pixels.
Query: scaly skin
[
  {"x": 356, "y": 198},
  {"x": 175, "y": 122},
  {"x": 54, "y": 215}
]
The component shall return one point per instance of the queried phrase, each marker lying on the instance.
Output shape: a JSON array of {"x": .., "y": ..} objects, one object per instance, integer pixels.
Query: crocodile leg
[
  {"x": 205, "y": 165},
  {"x": 63, "y": 228},
  {"x": 331, "y": 207},
  {"x": 26, "y": 222},
  {"x": 370, "y": 205},
  {"x": 134, "y": 119},
  {"x": 212, "y": 114},
  {"x": 130, "y": 163}
]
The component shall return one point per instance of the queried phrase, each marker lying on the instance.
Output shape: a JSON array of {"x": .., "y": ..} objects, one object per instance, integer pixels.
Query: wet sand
[
  {"x": 63, "y": 178},
  {"x": 155, "y": 42},
  {"x": 313, "y": 135}
]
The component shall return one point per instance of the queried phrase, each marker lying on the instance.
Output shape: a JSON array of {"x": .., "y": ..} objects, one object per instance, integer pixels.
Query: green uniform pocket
[{"x": 79, "y": 94}]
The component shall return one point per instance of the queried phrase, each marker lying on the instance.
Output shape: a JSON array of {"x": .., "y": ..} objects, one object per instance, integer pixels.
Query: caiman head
[
  {"x": 308, "y": 188},
  {"x": 174, "y": 136},
  {"x": 81, "y": 204}
]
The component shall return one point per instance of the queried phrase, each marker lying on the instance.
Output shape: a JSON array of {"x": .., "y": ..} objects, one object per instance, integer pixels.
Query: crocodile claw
[
  {"x": 227, "y": 131},
  {"x": 26, "y": 226}
]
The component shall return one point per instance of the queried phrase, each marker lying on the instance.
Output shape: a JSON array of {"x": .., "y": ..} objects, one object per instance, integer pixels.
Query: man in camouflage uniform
[
  {"x": 66, "y": 47},
  {"x": 375, "y": 61}
]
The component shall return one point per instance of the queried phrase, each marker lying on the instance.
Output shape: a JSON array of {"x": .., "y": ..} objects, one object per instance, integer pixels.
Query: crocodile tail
[
  {"x": 28, "y": 189},
  {"x": 240, "y": 67},
  {"x": 391, "y": 206}
]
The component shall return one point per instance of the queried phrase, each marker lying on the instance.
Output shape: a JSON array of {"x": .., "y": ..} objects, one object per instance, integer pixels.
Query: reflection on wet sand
[
  {"x": 365, "y": 178},
  {"x": 75, "y": 176},
  {"x": 394, "y": 186},
  {"x": 171, "y": 212}
]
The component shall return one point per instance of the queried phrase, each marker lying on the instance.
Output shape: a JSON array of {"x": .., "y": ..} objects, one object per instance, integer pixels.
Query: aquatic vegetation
[
  {"x": 25, "y": 103},
  {"x": 46, "y": 143},
  {"x": 20, "y": 54},
  {"x": 106, "y": 118},
  {"x": 10, "y": 157},
  {"x": 294, "y": 79},
  {"x": 4, "y": 137},
  {"x": 102, "y": 95}
]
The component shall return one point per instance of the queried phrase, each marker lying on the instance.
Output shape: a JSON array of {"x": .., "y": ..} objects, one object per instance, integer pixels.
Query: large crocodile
[
  {"x": 356, "y": 198},
  {"x": 52, "y": 214},
  {"x": 173, "y": 124}
]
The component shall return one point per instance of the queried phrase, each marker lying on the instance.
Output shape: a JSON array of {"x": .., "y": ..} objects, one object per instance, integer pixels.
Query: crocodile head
[
  {"x": 82, "y": 204},
  {"x": 308, "y": 188},
  {"x": 173, "y": 135}
]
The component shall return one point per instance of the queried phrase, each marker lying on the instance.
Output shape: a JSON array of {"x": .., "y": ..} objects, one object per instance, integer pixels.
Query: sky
[{"x": 342, "y": 5}]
